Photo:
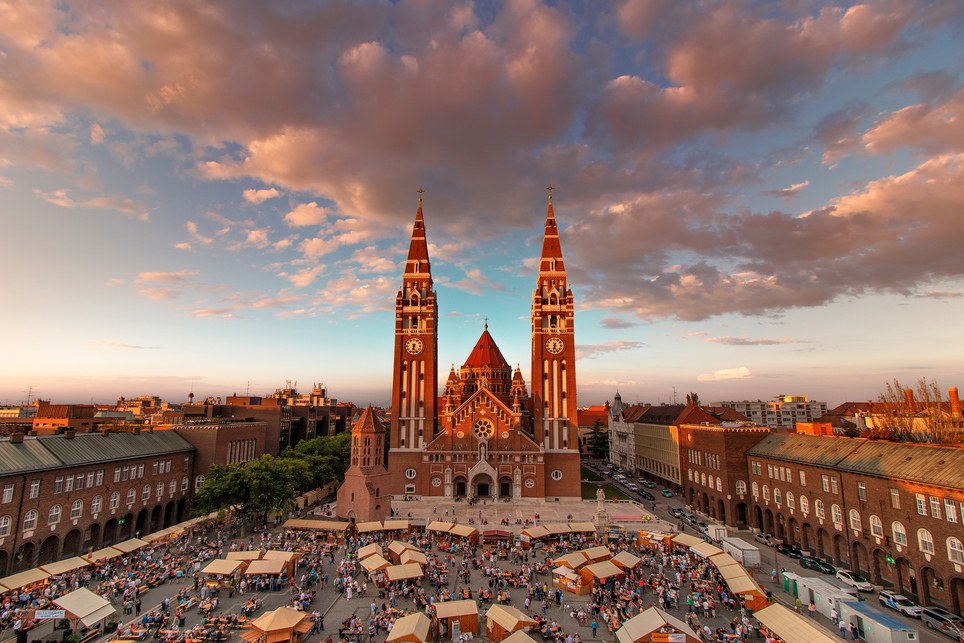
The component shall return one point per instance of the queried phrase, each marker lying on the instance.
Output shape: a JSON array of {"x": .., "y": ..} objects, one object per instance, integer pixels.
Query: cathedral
[{"x": 487, "y": 436}]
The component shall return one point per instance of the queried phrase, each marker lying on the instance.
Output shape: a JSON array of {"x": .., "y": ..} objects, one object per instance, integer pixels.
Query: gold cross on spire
[
  {"x": 550, "y": 188},
  {"x": 486, "y": 323},
  {"x": 420, "y": 190}
]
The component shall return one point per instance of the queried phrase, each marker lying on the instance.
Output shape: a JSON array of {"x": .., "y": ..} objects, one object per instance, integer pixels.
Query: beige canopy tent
[
  {"x": 396, "y": 525},
  {"x": 288, "y": 557},
  {"x": 538, "y": 531},
  {"x": 503, "y": 620},
  {"x": 84, "y": 606},
  {"x": 705, "y": 550},
  {"x": 685, "y": 540},
  {"x": 647, "y": 625},
  {"x": 64, "y": 566},
  {"x": 723, "y": 559},
  {"x": 266, "y": 567},
  {"x": 518, "y": 637},
  {"x": 368, "y": 527},
  {"x": 573, "y": 561},
  {"x": 397, "y": 547},
  {"x": 370, "y": 550},
  {"x": 791, "y": 627},
  {"x": 316, "y": 525},
  {"x": 442, "y": 527},
  {"x": 558, "y": 529},
  {"x": 624, "y": 560},
  {"x": 282, "y": 624},
  {"x": 130, "y": 545},
  {"x": 29, "y": 577},
  {"x": 753, "y": 595},
  {"x": 243, "y": 555},
  {"x": 596, "y": 554},
  {"x": 412, "y": 556},
  {"x": 404, "y": 572},
  {"x": 582, "y": 527},
  {"x": 413, "y": 628},
  {"x": 101, "y": 555},
  {"x": 464, "y": 531},
  {"x": 224, "y": 567},
  {"x": 465, "y": 612},
  {"x": 600, "y": 571},
  {"x": 375, "y": 563}
]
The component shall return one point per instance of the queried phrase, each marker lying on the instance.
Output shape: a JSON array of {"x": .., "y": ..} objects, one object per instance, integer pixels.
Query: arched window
[
  {"x": 777, "y": 496},
  {"x": 184, "y": 483},
  {"x": 114, "y": 500},
  {"x": 925, "y": 541},
  {"x": 198, "y": 481},
  {"x": 855, "y": 520},
  {"x": 876, "y": 527},
  {"x": 704, "y": 479},
  {"x": 95, "y": 504},
  {"x": 756, "y": 489},
  {"x": 804, "y": 505},
  {"x": 4, "y": 526},
  {"x": 77, "y": 509},
  {"x": 146, "y": 492},
  {"x": 741, "y": 487},
  {"x": 818, "y": 508},
  {"x": 30, "y": 520},
  {"x": 766, "y": 492},
  {"x": 837, "y": 516},
  {"x": 791, "y": 504},
  {"x": 900, "y": 536},
  {"x": 955, "y": 550},
  {"x": 54, "y": 516},
  {"x": 719, "y": 485},
  {"x": 131, "y": 496}
]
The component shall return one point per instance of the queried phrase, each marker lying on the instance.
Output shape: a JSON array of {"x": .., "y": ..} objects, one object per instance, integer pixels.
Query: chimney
[
  {"x": 955, "y": 401},
  {"x": 16, "y": 438},
  {"x": 69, "y": 435},
  {"x": 909, "y": 398}
]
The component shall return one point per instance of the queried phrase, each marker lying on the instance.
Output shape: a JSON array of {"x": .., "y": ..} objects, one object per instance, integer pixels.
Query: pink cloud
[{"x": 935, "y": 129}]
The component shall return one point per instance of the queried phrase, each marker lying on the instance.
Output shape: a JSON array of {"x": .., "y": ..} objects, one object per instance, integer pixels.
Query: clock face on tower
[
  {"x": 414, "y": 346},
  {"x": 554, "y": 345}
]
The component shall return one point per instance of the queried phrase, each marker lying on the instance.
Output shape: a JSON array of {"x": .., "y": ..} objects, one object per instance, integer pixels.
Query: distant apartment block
[{"x": 779, "y": 414}]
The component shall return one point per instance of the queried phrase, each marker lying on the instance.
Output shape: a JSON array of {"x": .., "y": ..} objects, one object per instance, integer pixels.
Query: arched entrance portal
[
  {"x": 758, "y": 511},
  {"x": 460, "y": 486},
  {"x": 742, "y": 517},
  {"x": 505, "y": 487},
  {"x": 482, "y": 486}
]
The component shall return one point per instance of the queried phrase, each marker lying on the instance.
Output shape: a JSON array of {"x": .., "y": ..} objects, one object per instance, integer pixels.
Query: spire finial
[
  {"x": 420, "y": 190},
  {"x": 550, "y": 188},
  {"x": 486, "y": 323}
]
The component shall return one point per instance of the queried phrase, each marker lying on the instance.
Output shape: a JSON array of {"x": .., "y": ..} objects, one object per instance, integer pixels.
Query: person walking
[{"x": 594, "y": 628}]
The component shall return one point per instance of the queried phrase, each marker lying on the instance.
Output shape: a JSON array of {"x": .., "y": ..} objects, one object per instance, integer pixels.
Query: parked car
[
  {"x": 817, "y": 565},
  {"x": 936, "y": 618},
  {"x": 676, "y": 512},
  {"x": 701, "y": 527},
  {"x": 649, "y": 484},
  {"x": 645, "y": 495},
  {"x": 789, "y": 551},
  {"x": 632, "y": 486},
  {"x": 899, "y": 602},
  {"x": 667, "y": 493},
  {"x": 854, "y": 580},
  {"x": 766, "y": 539}
]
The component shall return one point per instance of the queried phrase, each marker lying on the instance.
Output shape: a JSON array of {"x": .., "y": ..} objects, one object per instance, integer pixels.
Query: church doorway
[
  {"x": 505, "y": 488},
  {"x": 460, "y": 487},
  {"x": 483, "y": 486}
]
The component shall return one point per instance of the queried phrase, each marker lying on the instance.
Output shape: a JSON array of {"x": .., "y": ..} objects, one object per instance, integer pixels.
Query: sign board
[
  {"x": 524, "y": 538},
  {"x": 47, "y": 614},
  {"x": 667, "y": 637}
]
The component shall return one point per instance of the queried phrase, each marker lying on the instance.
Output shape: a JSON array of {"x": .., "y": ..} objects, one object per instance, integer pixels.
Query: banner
[{"x": 46, "y": 614}]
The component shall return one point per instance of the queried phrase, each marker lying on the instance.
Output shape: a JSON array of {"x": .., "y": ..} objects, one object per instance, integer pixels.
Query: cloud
[
  {"x": 609, "y": 321},
  {"x": 114, "y": 282},
  {"x": 373, "y": 260},
  {"x": 197, "y": 236},
  {"x": 260, "y": 196},
  {"x": 589, "y": 351},
  {"x": 305, "y": 276},
  {"x": 740, "y": 373},
  {"x": 749, "y": 341},
  {"x": 477, "y": 283},
  {"x": 119, "y": 344},
  {"x": 183, "y": 246},
  {"x": 119, "y": 204},
  {"x": 942, "y": 295},
  {"x": 790, "y": 193},
  {"x": 161, "y": 286},
  {"x": 932, "y": 128},
  {"x": 245, "y": 301},
  {"x": 96, "y": 134},
  {"x": 305, "y": 214}
]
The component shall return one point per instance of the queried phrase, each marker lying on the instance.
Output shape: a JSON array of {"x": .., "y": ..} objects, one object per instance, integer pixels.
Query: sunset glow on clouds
[{"x": 755, "y": 198}]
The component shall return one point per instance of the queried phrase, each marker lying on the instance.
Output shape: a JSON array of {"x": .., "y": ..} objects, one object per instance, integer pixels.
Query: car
[
  {"x": 936, "y": 618},
  {"x": 649, "y": 484},
  {"x": 632, "y": 486},
  {"x": 766, "y": 539},
  {"x": 789, "y": 551},
  {"x": 817, "y": 565},
  {"x": 645, "y": 495},
  {"x": 899, "y": 602},
  {"x": 676, "y": 512},
  {"x": 667, "y": 493},
  {"x": 854, "y": 580},
  {"x": 701, "y": 526}
]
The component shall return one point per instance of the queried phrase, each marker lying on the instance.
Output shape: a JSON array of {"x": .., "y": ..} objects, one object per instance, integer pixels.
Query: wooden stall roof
[
  {"x": 413, "y": 556},
  {"x": 369, "y": 550},
  {"x": 374, "y": 563},
  {"x": 64, "y": 566},
  {"x": 130, "y": 545},
  {"x": 518, "y": 636},
  {"x": 575, "y": 560},
  {"x": 157, "y": 535},
  {"x": 580, "y": 527},
  {"x": 277, "y": 625},
  {"x": 723, "y": 559},
  {"x": 744, "y": 585},
  {"x": 509, "y": 618},
  {"x": 557, "y": 529},
  {"x": 85, "y": 605},
  {"x": 539, "y": 531},
  {"x": 411, "y": 629},
  {"x": 266, "y": 567},
  {"x": 565, "y": 571},
  {"x": 649, "y": 621},
  {"x": 705, "y": 550},
  {"x": 790, "y": 626},
  {"x": 220, "y": 566},
  {"x": 107, "y": 553},
  {"x": 685, "y": 540},
  {"x": 435, "y": 525},
  {"x": 243, "y": 555},
  {"x": 367, "y": 527},
  {"x": 277, "y": 554},
  {"x": 29, "y": 577},
  {"x": 316, "y": 525},
  {"x": 625, "y": 560},
  {"x": 464, "y": 531},
  {"x": 402, "y": 572},
  {"x": 451, "y": 609},
  {"x": 392, "y": 525},
  {"x": 398, "y": 546},
  {"x": 596, "y": 553},
  {"x": 605, "y": 569}
]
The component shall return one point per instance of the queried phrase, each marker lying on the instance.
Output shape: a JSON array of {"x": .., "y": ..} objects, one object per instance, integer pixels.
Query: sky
[{"x": 754, "y": 198}]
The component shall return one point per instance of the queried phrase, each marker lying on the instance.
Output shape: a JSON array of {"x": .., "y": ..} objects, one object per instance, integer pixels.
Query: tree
[
  {"x": 692, "y": 399},
  {"x": 598, "y": 441},
  {"x": 904, "y": 415}
]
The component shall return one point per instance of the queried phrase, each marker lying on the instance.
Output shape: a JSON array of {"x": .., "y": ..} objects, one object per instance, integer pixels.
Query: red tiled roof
[
  {"x": 486, "y": 354},
  {"x": 588, "y": 417}
]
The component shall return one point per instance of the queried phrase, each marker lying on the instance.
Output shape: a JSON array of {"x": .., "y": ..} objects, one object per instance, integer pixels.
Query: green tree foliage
[
  {"x": 598, "y": 440},
  {"x": 693, "y": 399}
]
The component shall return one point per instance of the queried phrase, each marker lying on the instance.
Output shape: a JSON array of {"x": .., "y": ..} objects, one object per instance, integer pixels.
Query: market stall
[
  {"x": 685, "y": 541},
  {"x": 244, "y": 555},
  {"x": 368, "y": 527},
  {"x": 290, "y": 559},
  {"x": 582, "y": 528},
  {"x": 655, "y": 626},
  {"x": 375, "y": 566},
  {"x": 397, "y": 525},
  {"x": 465, "y": 613},
  {"x": 518, "y": 637},
  {"x": 596, "y": 554},
  {"x": 490, "y": 536},
  {"x": 412, "y": 556},
  {"x": 742, "y": 584},
  {"x": 335, "y": 530},
  {"x": 84, "y": 607},
  {"x": 503, "y": 620},
  {"x": 130, "y": 545},
  {"x": 29, "y": 577},
  {"x": 531, "y": 535},
  {"x": 101, "y": 555},
  {"x": 283, "y": 625},
  {"x": 601, "y": 572},
  {"x": 64, "y": 566},
  {"x": 397, "y": 547},
  {"x": 224, "y": 573},
  {"x": 625, "y": 561},
  {"x": 648, "y": 538},
  {"x": 564, "y": 578},
  {"x": 439, "y": 527},
  {"x": 370, "y": 550},
  {"x": 705, "y": 550},
  {"x": 413, "y": 628},
  {"x": 269, "y": 567},
  {"x": 403, "y": 572},
  {"x": 573, "y": 561},
  {"x": 464, "y": 531},
  {"x": 790, "y": 627}
]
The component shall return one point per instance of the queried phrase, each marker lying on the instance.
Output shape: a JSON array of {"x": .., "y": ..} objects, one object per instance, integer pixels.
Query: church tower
[
  {"x": 415, "y": 373},
  {"x": 364, "y": 496},
  {"x": 555, "y": 421}
]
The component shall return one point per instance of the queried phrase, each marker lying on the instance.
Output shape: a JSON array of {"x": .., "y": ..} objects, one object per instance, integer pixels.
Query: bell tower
[
  {"x": 555, "y": 420},
  {"x": 415, "y": 373}
]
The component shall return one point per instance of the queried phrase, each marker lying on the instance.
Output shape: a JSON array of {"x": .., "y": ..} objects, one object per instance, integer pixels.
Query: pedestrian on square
[{"x": 594, "y": 625}]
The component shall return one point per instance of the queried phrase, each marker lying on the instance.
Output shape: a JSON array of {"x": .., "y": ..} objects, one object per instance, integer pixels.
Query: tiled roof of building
[
  {"x": 676, "y": 414},
  {"x": 924, "y": 463},
  {"x": 588, "y": 417},
  {"x": 727, "y": 414},
  {"x": 368, "y": 423},
  {"x": 486, "y": 354}
]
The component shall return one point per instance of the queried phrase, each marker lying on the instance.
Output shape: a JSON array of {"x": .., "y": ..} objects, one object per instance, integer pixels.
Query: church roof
[
  {"x": 486, "y": 354},
  {"x": 368, "y": 423}
]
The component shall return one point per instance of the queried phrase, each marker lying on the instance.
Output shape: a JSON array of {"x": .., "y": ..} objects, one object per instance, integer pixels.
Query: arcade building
[{"x": 488, "y": 435}]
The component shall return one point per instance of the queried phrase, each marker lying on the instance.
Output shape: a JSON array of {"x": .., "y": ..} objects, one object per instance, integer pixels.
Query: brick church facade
[{"x": 487, "y": 436}]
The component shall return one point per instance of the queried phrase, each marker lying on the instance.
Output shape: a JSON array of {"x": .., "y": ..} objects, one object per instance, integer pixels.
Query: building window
[
  {"x": 154, "y": 467},
  {"x": 4, "y": 526},
  {"x": 791, "y": 504},
  {"x": 925, "y": 541},
  {"x": 7, "y": 493},
  {"x": 818, "y": 507},
  {"x": 146, "y": 492},
  {"x": 173, "y": 486},
  {"x": 690, "y": 473},
  {"x": 556, "y": 474},
  {"x": 198, "y": 481},
  {"x": 862, "y": 491},
  {"x": 30, "y": 520},
  {"x": 411, "y": 473},
  {"x": 950, "y": 511},
  {"x": 117, "y": 474},
  {"x": 719, "y": 485},
  {"x": 770, "y": 471},
  {"x": 756, "y": 489},
  {"x": 90, "y": 479},
  {"x": 131, "y": 496},
  {"x": 921, "y": 504},
  {"x": 126, "y": 473},
  {"x": 54, "y": 516},
  {"x": 803, "y": 478},
  {"x": 895, "y": 498},
  {"x": 58, "y": 484},
  {"x": 826, "y": 483},
  {"x": 187, "y": 462},
  {"x": 833, "y": 485},
  {"x": 777, "y": 496},
  {"x": 955, "y": 550},
  {"x": 855, "y": 520},
  {"x": 160, "y": 489},
  {"x": 95, "y": 505},
  {"x": 741, "y": 487},
  {"x": 184, "y": 483},
  {"x": 114, "y": 500},
  {"x": 70, "y": 483},
  {"x": 804, "y": 505},
  {"x": 900, "y": 536},
  {"x": 34, "y": 489},
  {"x": 77, "y": 509},
  {"x": 766, "y": 493},
  {"x": 876, "y": 527},
  {"x": 140, "y": 471},
  {"x": 935, "y": 507}
]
